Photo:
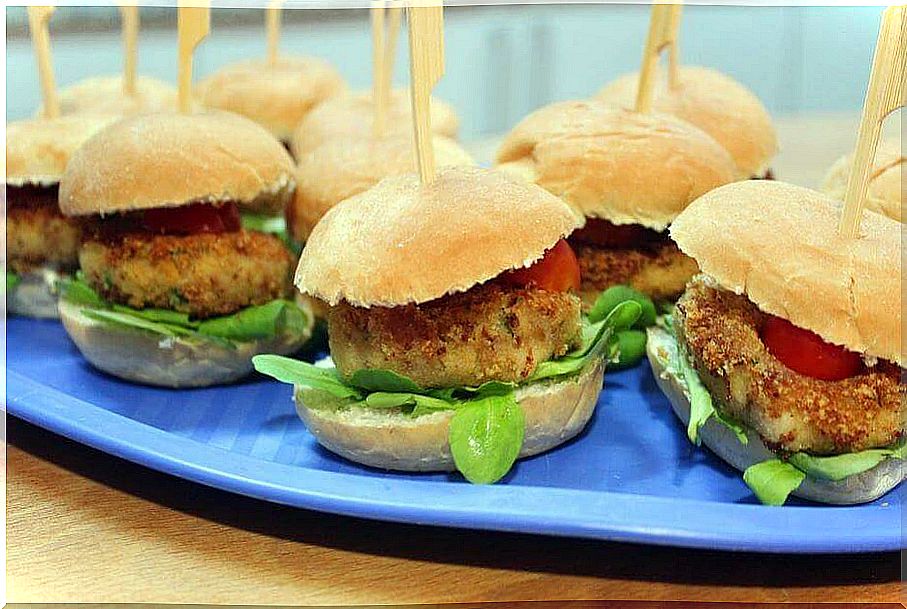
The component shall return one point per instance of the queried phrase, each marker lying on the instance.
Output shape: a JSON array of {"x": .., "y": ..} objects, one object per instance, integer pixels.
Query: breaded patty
[
  {"x": 791, "y": 412},
  {"x": 489, "y": 333},
  {"x": 204, "y": 275},
  {"x": 37, "y": 234},
  {"x": 661, "y": 271}
]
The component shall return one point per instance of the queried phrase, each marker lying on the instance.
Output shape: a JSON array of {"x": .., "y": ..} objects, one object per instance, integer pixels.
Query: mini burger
[
  {"x": 172, "y": 290},
  {"x": 629, "y": 175},
  {"x": 41, "y": 244},
  {"x": 885, "y": 194},
  {"x": 106, "y": 95},
  {"x": 277, "y": 96},
  {"x": 457, "y": 335},
  {"x": 353, "y": 116},
  {"x": 717, "y": 104},
  {"x": 785, "y": 357}
]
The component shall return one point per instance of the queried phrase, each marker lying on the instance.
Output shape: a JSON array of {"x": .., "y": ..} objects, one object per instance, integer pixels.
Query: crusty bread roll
[
  {"x": 348, "y": 166},
  {"x": 554, "y": 413},
  {"x": 714, "y": 102},
  {"x": 106, "y": 95},
  {"x": 779, "y": 245},
  {"x": 609, "y": 163},
  {"x": 34, "y": 295},
  {"x": 145, "y": 357},
  {"x": 404, "y": 242},
  {"x": 861, "y": 488},
  {"x": 37, "y": 150},
  {"x": 276, "y": 96},
  {"x": 353, "y": 115},
  {"x": 169, "y": 160},
  {"x": 885, "y": 193}
]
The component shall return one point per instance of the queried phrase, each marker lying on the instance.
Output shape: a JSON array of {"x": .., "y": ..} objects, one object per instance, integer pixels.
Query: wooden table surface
[{"x": 86, "y": 527}]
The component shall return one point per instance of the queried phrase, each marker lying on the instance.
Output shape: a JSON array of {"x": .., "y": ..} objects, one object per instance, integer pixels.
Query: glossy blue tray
[{"x": 632, "y": 476}]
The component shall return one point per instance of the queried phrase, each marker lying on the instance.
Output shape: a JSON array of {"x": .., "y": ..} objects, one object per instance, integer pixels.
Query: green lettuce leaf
[
  {"x": 131, "y": 321},
  {"x": 374, "y": 379},
  {"x": 264, "y": 321},
  {"x": 12, "y": 280},
  {"x": 608, "y": 300},
  {"x": 773, "y": 481},
  {"x": 839, "y": 467},
  {"x": 420, "y": 404},
  {"x": 77, "y": 291},
  {"x": 595, "y": 340},
  {"x": 486, "y": 436},
  {"x": 630, "y": 347},
  {"x": 303, "y": 374},
  {"x": 701, "y": 407}
]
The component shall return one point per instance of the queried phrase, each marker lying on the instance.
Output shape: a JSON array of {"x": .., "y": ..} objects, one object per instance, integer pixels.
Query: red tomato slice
[
  {"x": 604, "y": 234},
  {"x": 192, "y": 219},
  {"x": 557, "y": 271},
  {"x": 805, "y": 352}
]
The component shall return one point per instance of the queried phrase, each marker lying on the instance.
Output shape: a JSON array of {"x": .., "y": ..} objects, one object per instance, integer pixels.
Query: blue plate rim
[{"x": 603, "y": 515}]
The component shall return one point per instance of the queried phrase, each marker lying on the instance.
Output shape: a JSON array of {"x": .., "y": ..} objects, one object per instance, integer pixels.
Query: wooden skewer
[
  {"x": 129, "y": 14},
  {"x": 273, "y": 14},
  {"x": 380, "y": 75},
  {"x": 394, "y": 16},
  {"x": 673, "y": 52},
  {"x": 194, "y": 23},
  {"x": 38, "y": 18},
  {"x": 887, "y": 92},
  {"x": 662, "y": 33},
  {"x": 426, "y": 56}
]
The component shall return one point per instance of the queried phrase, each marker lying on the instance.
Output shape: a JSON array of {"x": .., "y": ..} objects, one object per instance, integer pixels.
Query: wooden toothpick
[
  {"x": 129, "y": 13},
  {"x": 380, "y": 76},
  {"x": 38, "y": 18},
  {"x": 887, "y": 92},
  {"x": 662, "y": 33},
  {"x": 194, "y": 23},
  {"x": 394, "y": 16},
  {"x": 273, "y": 14},
  {"x": 426, "y": 56}
]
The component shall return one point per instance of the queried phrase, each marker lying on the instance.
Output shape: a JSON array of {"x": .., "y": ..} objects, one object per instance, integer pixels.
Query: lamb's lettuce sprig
[{"x": 276, "y": 318}]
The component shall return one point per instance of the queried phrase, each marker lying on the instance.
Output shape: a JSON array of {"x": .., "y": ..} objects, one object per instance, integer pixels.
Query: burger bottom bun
[
  {"x": 34, "y": 295},
  {"x": 861, "y": 488},
  {"x": 554, "y": 413},
  {"x": 151, "y": 359}
]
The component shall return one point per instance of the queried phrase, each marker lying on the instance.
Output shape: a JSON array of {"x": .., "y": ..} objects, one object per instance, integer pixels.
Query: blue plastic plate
[{"x": 632, "y": 476}]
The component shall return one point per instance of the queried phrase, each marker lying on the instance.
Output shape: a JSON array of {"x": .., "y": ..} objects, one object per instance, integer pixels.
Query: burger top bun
[
  {"x": 886, "y": 188},
  {"x": 276, "y": 97},
  {"x": 717, "y": 104},
  {"x": 347, "y": 166},
  {"x": 105, "y": 95},
  {"x": 37, "y": 150},
  {"x": 170, "y": 160},
  {"x": 354, "y": 115},
  {"x": 404, "y": 242},
  {"x": 779, "y": 245},
  {"x": 615, "y": 164}
]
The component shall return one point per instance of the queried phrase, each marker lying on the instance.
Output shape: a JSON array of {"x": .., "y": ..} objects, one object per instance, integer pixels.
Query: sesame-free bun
[
  {"x": 714, "y": 102},
  {"x": 886, "y": 188},
  {"x": 554, "y": 413},
  {"x": 615, "y": 164},
  {"x": 860, "y": 488},
  {"x": 105, "y": 95},
  {"x": 778, "y": 244},
  {"x": 170, "y": 159},
  {"x": 348, "y": 166},
  {"x": 353, "y": 115},
  {"x": 151, "y": 359},
  {"x": 276, "y": 96},
  {"x": 37, "y": 150},
  {"x": 404, "y": 242}
]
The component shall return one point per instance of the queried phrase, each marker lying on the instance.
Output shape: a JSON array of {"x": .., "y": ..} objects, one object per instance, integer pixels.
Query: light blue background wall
[{"x": 504, "y": 61}]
